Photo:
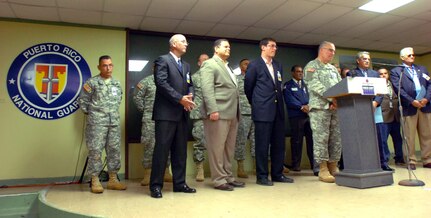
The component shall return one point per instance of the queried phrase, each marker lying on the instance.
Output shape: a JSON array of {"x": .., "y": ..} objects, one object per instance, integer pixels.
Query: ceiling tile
[
  {"x": 349, "y": 3},
  {"x": 353, "y": 43},
  {"x": 121, "y": 20},
  {"x": 251, "y": 11},
  {"x": 310, "y": 39},
  {"x": 424, "y": 15},
  {"x": 417, "y": 6},
  {"x": 225, "y": 30},
  {"x": 396, "y": 28},
  {"x": 194, "y": 28},
  {"x": 256, "y": 33},
  {"x": 287, "y": 13},
  {"x": 159, "y": 24},
  {"x": 96, "y": 5},
  {"x": 378, "y": 22},
  {"x": 79, "y": 16},
  {"x": 170, "y": 9},
  {"x": 50, "y": 3},
  {"x": 36, "y": 12},
  {"x": 318, "y": 18},
  {"x": 286, "y": 36},
  {"x": 345, "y": 22},
  {"x": 212, "y": 11},
  {"x": 132, "y": 7},
  {"x": 5, "y": 10}
]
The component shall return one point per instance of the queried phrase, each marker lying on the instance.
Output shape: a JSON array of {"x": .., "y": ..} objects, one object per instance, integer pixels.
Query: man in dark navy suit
[
  {"x": 262, "y": 86},
  {"x": 415, "y": 93},
  {"x": 172, "y": 104},
  {"x": 296, "y": 98}
]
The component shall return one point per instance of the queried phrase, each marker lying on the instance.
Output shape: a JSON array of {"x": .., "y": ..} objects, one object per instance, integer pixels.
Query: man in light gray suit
[{"x": 220, "y": 110}]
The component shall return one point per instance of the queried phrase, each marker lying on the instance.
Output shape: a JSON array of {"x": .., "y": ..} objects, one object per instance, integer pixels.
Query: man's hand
[
  {"x": 333, "y": 106},
  {"x": 305, "y": 108},
  {"x": 187, "y": 102},
  {"x": 214, "y": 116},
  {"x": 417, "y": 104},
  {"x": 424, "y": 102}
]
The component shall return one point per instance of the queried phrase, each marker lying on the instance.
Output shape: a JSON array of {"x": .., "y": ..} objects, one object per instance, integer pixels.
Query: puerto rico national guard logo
[{"x": 45, "y": 80}]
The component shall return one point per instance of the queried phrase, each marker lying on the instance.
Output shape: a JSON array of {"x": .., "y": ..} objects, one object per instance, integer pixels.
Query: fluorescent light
[
  {"x": 137, "y": 65},
  {"x": 383, "y": 6}
]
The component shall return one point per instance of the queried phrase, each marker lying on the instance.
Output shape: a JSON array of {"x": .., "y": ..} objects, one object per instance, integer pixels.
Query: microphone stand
[{"x": 410, "y": 181}]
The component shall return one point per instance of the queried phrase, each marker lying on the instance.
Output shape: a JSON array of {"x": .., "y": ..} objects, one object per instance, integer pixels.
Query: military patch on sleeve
[
  {"x": 311, "y": 70},
  {"x": 140, "y": 86},
  {"x": 87, "y": 87}
]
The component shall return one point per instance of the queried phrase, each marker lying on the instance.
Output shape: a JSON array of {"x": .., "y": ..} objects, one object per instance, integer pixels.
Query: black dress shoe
[
  {"x": 265, "y": 182},
  {"x": 156, "y": 192},
  {"x": 237, "y": 184},
  {"x": 387, "y": 168},
  {"x": 224, "y": 187},
  {"x": 283, "y": 179},
  {"x": 185, "y": 188},
  {"x": 428, "y": 165},
  {"x": 316, "y": 173}
]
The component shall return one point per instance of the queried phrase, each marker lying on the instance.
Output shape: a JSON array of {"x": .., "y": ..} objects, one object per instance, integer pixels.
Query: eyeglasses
[
  {"x": 271, "y": 46},
  {"x": 411, "y": 55},
  {"x": 330, "y": 49}
]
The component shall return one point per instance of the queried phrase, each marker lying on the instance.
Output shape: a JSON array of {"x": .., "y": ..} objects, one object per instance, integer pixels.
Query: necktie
[
  {"x": 180, "y": 65},
  {"x": 365, "y": 73}
]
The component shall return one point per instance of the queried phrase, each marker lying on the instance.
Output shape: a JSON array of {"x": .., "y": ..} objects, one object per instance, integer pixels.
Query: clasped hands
[
  {"x": 420, "y": 104},
  {"x": 187, "y": 102}
]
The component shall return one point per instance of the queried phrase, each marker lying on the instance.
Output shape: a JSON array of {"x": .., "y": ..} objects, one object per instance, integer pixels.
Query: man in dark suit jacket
[
  {"x": 172, "y": 104},
  {"x": 296, "y": 98},
  {"x": 415, "y": 92},
  {"x": 262, "y": 87}
]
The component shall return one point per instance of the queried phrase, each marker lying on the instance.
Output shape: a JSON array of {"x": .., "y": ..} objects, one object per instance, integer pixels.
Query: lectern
[{"x": 358, "y": 132}]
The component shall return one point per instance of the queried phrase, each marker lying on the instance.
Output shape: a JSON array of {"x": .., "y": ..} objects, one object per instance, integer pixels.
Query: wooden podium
[{"x": 358, "y": 132}]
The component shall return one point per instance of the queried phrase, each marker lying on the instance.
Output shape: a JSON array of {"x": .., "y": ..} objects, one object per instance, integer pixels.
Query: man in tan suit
[{"x": 220, "y": 110}]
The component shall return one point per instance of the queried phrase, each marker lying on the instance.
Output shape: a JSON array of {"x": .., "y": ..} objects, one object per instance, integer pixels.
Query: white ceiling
[{"x": 305, "y": 22}]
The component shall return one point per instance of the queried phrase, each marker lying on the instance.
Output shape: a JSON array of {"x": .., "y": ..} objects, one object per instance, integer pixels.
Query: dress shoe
[
  {"x": 400, "y": 163},
  {"x": 156, "y": 192},
  {"x": 265, "y": 182},
  {"x": 316, "y": 173},
  {"x": 428, "y": 165},
  {"x": 296, "y": 169},
  {"x": 237, "y": 184},
  {"x": 185, "y": 188},
  {"x": 412, "y": 166},
  {"x": 387, "y": 168},
  {"x": 224, "y": 187},
  {"x": 283, "y": 179}
]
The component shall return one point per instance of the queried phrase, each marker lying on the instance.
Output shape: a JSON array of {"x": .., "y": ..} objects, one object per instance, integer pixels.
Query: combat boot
[
  {"x": 146, "y": 180},
  {"x": 114, "y": 184},
  {"x": 324, "y": 174},
  {"x": 333, "y": 168},
  {"x": 200, "y": 176},
  {"x": 241, "y": 172},
  {"x": 167, "y": 177},
  {"x": 96, "y": 187}
]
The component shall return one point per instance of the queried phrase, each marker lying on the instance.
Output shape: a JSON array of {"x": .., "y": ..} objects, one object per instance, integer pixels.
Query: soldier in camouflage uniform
[
  {"x": 198, "y": 124},
  {"x": 320, "y": 75},
  {"x": 100, "y": 100},
  {"x": 143, "y": 97},
  {"x": 245, "y": 126}
]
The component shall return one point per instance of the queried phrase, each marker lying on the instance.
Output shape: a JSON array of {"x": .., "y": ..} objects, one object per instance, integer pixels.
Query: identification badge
[
  {"x": 114, "y": 91},
  {"x": 188, "y": 78},
  {"x": 294, "y": 89},
  {"x": 279, "y": 76},
  {"x": 425, "y": 76}
]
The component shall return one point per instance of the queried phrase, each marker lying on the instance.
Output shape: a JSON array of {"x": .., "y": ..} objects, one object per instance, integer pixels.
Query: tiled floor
[{"x": 307, "y": 197}]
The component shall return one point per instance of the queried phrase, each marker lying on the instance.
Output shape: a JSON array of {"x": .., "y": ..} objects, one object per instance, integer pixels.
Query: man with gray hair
[
  {"x": 320, "y": 76},
  {"x": 412, "y": 83}
]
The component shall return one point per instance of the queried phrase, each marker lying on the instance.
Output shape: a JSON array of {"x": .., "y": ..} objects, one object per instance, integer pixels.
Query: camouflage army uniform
[
  {"x": 245, "y": 126},
  {"x": 143, "y": 97},
  {"x": 100, "y": 100},
  {"x": 198, "y": 124},
  {"x": 324, "y": 122}
]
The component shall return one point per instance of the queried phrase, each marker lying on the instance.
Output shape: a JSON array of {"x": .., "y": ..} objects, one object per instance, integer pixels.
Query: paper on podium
[{"x": 358, "y": 85}]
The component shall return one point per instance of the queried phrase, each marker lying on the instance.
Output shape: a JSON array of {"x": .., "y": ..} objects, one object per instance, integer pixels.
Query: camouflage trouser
[
  {"x": 149, "y": 141},
  {"x": 326, "y": 135},
  {"x": 199, "y": 144},
  {"x": 99, "y": 137},
  {"x": 245, "y": 131}
]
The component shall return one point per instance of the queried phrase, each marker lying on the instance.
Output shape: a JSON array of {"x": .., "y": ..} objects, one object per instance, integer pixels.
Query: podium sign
[{"x": 358, "y": 132}]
